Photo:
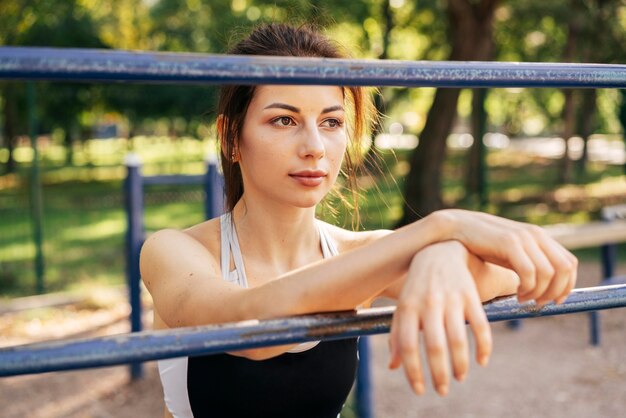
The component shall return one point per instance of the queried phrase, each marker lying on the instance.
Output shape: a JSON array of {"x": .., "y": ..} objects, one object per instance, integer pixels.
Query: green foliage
[{"x": 525, "y": 30}]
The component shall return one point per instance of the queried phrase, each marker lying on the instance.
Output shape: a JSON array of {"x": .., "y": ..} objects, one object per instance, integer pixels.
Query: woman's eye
[
  {"x": 283, "y": 121},
  {"x": 333, "y": 123}
]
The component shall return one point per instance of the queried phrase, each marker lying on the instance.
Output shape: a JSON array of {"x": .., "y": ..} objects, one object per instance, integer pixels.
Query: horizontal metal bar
[
  {"x": 159, "y": 67},
  {"x": 175, "y": 179},
  {"x": 153, "y": 345}
]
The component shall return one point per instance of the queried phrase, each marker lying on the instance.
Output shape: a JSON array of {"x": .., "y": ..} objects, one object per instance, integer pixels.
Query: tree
[
  {"x": 470, "y": 26},
  {"x": 41, "y": 23}
]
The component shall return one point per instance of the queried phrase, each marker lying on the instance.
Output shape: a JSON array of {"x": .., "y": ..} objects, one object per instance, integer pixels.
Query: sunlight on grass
[
  {"x": 18, "y": 252},
  {"x": 98, "y": 230}
]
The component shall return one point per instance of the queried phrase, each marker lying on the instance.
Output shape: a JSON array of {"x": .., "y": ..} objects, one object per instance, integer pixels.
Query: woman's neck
[{"x": 283, "y": 237}]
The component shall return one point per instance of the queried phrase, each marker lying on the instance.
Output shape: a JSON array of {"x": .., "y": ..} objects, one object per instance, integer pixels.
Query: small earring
[{"x": 233, "y": 156}]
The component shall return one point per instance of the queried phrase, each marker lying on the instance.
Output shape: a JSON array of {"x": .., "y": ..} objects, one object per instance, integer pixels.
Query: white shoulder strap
[{"x": 231, "y": 243}]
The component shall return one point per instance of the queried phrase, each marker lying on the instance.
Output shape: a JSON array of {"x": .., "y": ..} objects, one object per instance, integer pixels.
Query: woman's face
[{"x": 292, "y": 143}]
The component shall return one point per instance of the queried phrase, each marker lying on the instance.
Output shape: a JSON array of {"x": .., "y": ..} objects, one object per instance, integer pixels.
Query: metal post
[
  {"x": 214, "y": 189},
  {"x": 133, "y": 193},
  {"x": 35, "y": 189},
  {"x": 481, "y": 129},
  {"x": 608, "y": 255},
  {"x": 364, "y": 390}
]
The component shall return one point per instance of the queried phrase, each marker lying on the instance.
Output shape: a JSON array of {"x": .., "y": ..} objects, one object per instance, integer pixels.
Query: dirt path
[{"x": 545, "y": 369}]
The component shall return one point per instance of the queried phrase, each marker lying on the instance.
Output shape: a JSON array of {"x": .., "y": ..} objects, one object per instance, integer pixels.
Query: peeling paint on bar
[
  {"x": 70, "y": 64},
  {"x": 153, "y": 345}
]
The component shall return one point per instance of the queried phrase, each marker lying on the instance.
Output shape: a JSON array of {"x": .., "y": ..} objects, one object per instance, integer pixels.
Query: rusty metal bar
[
  {"x": 153, "y": 345},
  {"x": 72, "y": 64}
]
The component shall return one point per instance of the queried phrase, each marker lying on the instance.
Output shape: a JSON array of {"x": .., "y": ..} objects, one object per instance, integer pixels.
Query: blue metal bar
[
  {"x": 364, "y": 387},
  {"x": 173, "y": 180},
  {"x": 214, "y": 190},
  {"x": 133, "y": 193},
  {"x": 211, "y": 339},
  {"x": 71, "y": 64},
  {"x": 608, "y": 253}
]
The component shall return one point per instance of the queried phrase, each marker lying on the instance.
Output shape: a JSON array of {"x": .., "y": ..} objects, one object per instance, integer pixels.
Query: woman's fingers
[
  {"x": 435, "y": 342},
  {"x": 565, "y": 267},
  {"x": 570, "y": 285},
  {"x": 543, "y": 269},
  {"x": 457, "y": 339},
  {"x": 408, "y": 341},
  {"x": 536, "y": 257},
  {"x": 521, "y": 263},
  {"x": 477, "y": 319},
  {"x": 395, "y": 360},
  {"x": 546, "y": 270}
]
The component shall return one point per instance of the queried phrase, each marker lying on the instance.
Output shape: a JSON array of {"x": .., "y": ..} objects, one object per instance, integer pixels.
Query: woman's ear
[{"x": 230, "y": 153}]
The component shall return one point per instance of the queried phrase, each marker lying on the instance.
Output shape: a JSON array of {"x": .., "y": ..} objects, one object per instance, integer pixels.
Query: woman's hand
[
  {"x": 547, "y": 271},
  {"x": 438, "y": 296}
]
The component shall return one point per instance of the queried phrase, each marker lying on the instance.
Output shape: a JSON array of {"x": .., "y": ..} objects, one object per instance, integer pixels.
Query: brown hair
[{"x": 284, "y": 40}]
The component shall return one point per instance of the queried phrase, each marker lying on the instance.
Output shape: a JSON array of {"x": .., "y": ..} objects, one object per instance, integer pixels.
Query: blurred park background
[{"x": 539, "y": 155}]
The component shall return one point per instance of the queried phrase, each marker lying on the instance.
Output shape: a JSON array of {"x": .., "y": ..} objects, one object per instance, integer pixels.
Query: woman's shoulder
[
  {"x": 205, "y": 235},
  {"x": 347, "y": 240}
]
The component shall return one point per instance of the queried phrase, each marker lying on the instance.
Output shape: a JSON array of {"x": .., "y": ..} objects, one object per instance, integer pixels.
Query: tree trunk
[
  {"x": 569, "y": 125},
  {"x": 586, "y": 121},
  {"x": 470, "y": 25},
  {"x": 475, "y": 179},
  {"x": 371, "y": 159},
  {"x": 622, "y": 121},
  {"x": 70, "y": 135},
  {"x": 10, "y": 125},
  {"x": 569, "y": 108}
]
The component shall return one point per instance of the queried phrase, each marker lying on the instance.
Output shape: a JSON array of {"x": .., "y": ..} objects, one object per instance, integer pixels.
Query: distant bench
[{"x": 592, "y": 234}]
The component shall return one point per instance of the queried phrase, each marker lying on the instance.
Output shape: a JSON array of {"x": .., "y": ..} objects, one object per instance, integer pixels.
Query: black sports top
[
  {"x": 312, "y": 380},
  {"x": 311, "y": 384}
]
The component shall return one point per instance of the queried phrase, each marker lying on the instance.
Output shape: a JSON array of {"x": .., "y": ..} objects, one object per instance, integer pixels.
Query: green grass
[{"x": 84, "y": 221}]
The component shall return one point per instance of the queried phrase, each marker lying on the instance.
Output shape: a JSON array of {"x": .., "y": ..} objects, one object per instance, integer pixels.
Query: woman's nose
[{"x": 312, "y": 144}]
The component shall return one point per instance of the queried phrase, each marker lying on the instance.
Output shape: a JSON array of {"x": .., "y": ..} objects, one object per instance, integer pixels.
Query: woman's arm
[{"x": 183, "y": 278}]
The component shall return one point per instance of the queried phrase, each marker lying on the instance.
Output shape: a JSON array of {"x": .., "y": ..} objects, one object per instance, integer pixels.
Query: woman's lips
[{"x": 309, "y": 178}]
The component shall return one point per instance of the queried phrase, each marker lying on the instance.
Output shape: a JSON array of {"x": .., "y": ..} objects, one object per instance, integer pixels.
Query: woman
[{"x": 282, "y": 150}]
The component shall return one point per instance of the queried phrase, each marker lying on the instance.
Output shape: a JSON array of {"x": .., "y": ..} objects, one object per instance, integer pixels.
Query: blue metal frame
[
  {"x": 211, "y": 339},
  {"x": 155, "y": 67},
  {"x": 20, "y": 63},
  {"x": 133, "y": 197},
  {"x": 608, "y": 254},
  {"x": 135, "y": 233}
]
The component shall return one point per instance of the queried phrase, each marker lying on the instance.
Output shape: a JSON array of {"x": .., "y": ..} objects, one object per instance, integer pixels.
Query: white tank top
[{"x": 173, "y": 372}]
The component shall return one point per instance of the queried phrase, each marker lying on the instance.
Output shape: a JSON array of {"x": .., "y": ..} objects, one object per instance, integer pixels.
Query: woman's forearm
[{"x": 347, "y": 280}]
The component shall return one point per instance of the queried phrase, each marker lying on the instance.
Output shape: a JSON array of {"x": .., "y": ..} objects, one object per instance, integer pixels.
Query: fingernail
[
  {"x": 442, "y": 390},
  {"x": 461, "y": 377},
  {"x": 483, "y": 360},
  {"x": 418, "y": 387}
]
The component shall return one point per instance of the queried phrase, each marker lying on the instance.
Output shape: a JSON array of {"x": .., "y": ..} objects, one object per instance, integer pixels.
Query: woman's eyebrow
[
  {"x": 297, "y": 109},
  {"x": 332, "y": 109},
  {"x": 283, "y": 106}
]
